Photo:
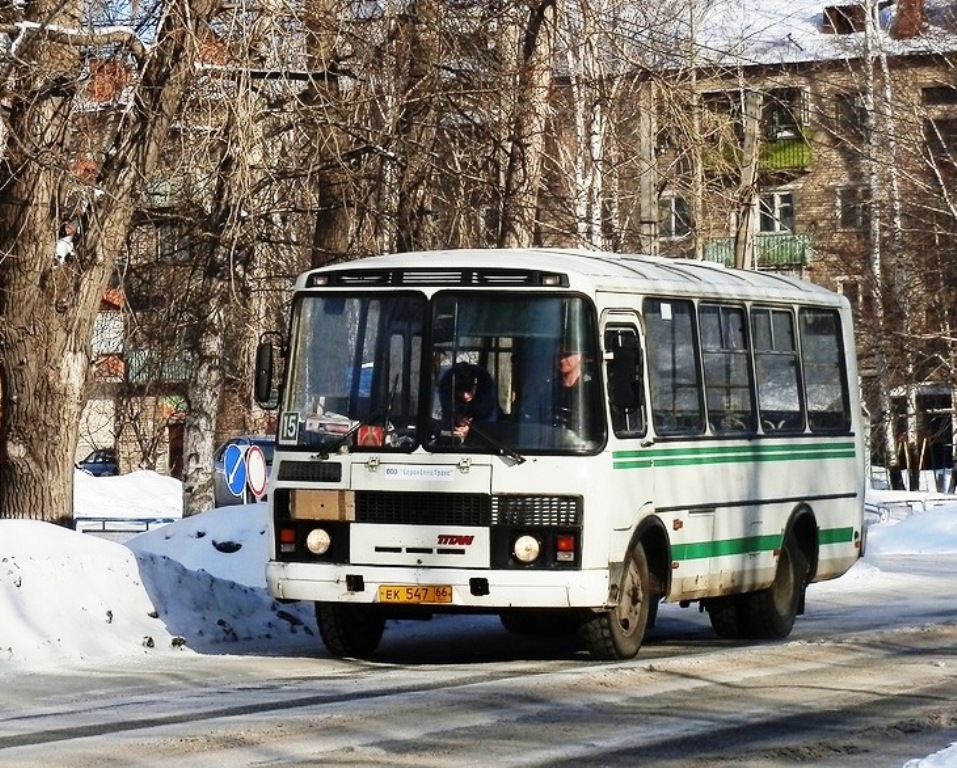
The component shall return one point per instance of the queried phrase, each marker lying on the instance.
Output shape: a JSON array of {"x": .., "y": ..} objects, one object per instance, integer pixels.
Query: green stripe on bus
[
  {"x": 751, "y": 544},
  {"x": 741, "y": 546},
  {"x": 676, "y": 457},
  {"x": 633, "y": 464},
  {"x": 835, "y": 535}
]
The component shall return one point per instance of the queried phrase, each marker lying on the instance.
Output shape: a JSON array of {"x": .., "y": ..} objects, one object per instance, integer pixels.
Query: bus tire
[
  {"x": 771, "y": 612},
  {"x": 350, "y": 630},
  {"x": 548, "y": 623},
  {"x": 725, "y": 614},
  {"x": 617, "y": 633}
]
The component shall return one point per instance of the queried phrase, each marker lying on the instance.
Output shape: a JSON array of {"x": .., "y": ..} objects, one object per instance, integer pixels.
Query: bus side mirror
[
  {"x": 264, "y": 389},
  {"x": 626, "y": 366}
]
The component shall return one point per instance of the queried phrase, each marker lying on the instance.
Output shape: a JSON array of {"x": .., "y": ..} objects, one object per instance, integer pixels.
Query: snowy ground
[{"x": 197, "y": 586}]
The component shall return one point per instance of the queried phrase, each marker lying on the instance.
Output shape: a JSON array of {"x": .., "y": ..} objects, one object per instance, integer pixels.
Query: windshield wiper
[
  {"x": 386, "y": 413},
  {"x": 503, "y": 450}
]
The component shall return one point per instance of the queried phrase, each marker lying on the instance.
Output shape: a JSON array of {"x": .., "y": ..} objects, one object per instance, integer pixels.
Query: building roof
[{"x": 775, "y": 32}]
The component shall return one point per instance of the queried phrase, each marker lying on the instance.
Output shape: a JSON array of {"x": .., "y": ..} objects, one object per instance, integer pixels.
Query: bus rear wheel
[
  {"x": 350, "y": 630},
  {"x": 617, "y": 633},
  {"x": 726, "y": 615},
  {"x": 771, "y": 612}
]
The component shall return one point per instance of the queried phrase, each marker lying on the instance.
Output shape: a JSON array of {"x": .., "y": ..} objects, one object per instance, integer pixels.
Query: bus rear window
[{"x": 825, "y": 377}]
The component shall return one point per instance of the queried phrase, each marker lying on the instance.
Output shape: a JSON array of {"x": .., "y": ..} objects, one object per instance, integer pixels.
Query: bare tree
[
  {"x": 531, "y": 81},
  {"x": 51, "y": 178}
]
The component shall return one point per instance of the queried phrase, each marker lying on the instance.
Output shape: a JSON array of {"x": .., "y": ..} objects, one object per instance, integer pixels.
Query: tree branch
[{"x": 75, "y": 37}]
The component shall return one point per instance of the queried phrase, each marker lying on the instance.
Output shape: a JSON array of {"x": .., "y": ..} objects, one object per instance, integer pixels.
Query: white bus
[{"x": 710, "y": 450}]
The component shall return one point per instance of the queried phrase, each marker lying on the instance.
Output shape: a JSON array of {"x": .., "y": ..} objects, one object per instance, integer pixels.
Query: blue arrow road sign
[{"x": 234, "y": 464}]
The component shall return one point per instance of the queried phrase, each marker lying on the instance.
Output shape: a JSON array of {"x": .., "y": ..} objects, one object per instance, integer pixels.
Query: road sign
[
  {"x": 256, "y": 470},
  {"x": 234, "y": 465}
]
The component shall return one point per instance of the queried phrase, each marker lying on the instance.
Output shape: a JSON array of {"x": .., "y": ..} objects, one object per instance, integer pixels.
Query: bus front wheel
[
  {"x": 350, "y": 630},
  {"x": 617, "y": 633}
]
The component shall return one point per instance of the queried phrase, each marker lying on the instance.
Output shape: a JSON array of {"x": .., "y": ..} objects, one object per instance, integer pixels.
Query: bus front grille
[
  {"x": 468, "y": 509},
  {"x": 422, "y": 508}
]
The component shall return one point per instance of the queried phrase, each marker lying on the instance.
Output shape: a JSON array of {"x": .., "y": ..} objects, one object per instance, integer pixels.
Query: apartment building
[{"x": 837, "y": 166}]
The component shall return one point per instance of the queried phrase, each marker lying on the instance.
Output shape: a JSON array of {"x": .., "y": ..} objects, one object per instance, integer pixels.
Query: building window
[
  {"x": 856, "y": 294},
  {"x": 939, "y": 94},
  {"x": 850, "y": 113},
  {"x": 721, "y": 117},
  {"x": 783, "y": 113},
  {"x": 776, "y": 212},
  {"x": 171, "y": 246},
  {"x": 853, "y": 208},
  {"x": 844, "y": 19},
  {"x": 850, "y": 289},
  {"x": 108, "y": 333},
  {"x": 674, "y": 216},
  {"x": 941, "y": 139}
]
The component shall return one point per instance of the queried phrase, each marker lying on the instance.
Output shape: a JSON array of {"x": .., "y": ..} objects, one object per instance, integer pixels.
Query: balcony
[
  {"x": 772, "y": 251},
  {"x": 785, "y": 152},
  {"x": 144, "y": 366}
]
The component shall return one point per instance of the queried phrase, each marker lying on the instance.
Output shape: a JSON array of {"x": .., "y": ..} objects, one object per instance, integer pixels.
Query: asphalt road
[{"x": 868, "y": 678}]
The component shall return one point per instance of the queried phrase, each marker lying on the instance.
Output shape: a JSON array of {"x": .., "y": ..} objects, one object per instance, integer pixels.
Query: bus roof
[{"x": 586, "y": 271}]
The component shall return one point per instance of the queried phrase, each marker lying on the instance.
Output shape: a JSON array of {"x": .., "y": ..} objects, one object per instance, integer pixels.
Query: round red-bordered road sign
[{"x": 257, "y": 473}]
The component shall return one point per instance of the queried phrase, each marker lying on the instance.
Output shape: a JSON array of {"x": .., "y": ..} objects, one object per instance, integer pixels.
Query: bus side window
[
  {"x": 776, "y": 370},
  {"x": 625, "y": 385},
  {"x": 727, "y": 369},
  {"x": 825, "y": 375},
  {"x": 673, "y": 368}
]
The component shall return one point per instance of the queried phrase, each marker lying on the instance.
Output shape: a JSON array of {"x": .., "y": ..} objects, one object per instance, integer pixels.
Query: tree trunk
[
  {"x": 416, "y": 128},
  {"x": 204, "y": 392},
  {"x": 49, "y": 308},
  {"x": 523, "y": 173},
  {"x": 648, "y": 179},
  {"x": 331, "y": 233},
  {"x": 747, "y": 191},
  {"x": 877, "y": 189}
]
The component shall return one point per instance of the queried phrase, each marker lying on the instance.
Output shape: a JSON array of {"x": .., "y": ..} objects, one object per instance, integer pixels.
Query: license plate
[{"x": 403, "y": 593}]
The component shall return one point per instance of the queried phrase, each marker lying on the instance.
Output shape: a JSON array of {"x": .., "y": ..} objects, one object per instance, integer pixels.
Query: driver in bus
[
  {"x": 468, "y": 394},
  {"x": 573, "y": 393},
  {"x": 565, "y": 398}
]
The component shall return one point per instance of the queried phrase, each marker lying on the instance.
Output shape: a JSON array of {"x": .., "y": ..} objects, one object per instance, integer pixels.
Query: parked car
[
  {"x": 222, "y": 495},
  {"x": 100, "y": 463}
]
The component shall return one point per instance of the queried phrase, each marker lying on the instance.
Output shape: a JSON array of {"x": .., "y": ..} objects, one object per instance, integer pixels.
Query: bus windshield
[
  {"x": 519, "y": 371},
  {"x": 474, "y": 372},
  {"x": 354, "y": 368}
]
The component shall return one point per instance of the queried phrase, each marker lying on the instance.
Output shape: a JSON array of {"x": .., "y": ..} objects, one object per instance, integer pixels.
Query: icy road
[{"x": 868, "y": 678}]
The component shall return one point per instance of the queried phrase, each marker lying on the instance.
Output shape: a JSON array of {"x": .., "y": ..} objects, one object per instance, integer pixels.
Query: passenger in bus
[{"x": 468, "y": 395}]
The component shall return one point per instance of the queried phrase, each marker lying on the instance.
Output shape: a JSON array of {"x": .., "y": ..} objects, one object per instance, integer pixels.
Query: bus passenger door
[
  {"x": 633, "y": 477},
  {"x": 671, "y": 446}
]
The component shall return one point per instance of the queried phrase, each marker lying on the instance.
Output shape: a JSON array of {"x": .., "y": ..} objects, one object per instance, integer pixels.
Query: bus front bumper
[{"x": 478, "y": 589}]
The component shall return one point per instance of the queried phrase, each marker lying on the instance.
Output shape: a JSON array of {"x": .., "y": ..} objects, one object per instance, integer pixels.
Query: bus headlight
[
  {"x": 318, "y": 541},
  {"x": 526, "y": 548}
]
